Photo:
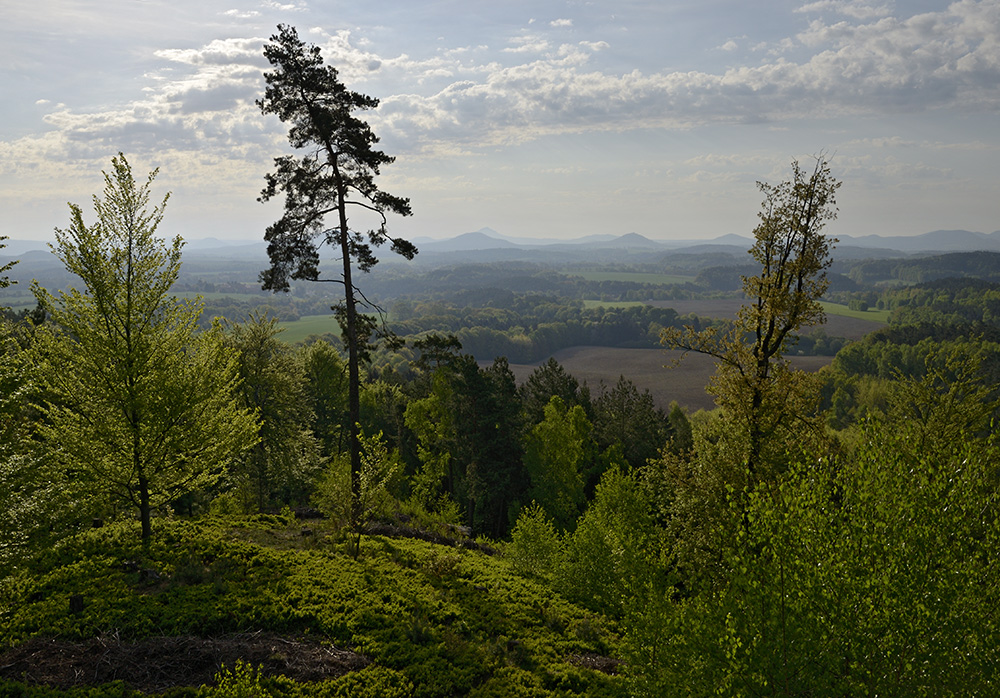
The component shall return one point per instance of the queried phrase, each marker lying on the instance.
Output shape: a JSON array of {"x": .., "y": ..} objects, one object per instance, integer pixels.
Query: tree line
[{"x": 759, "y": 548}]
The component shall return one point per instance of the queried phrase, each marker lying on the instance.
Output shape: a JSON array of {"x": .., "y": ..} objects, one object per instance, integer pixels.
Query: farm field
[
  {"x": 297, "y": 330},
  {"x": 840, "y": 322},
  {"x": 649, "y": 370},
  {"x": 844, "y": 311},
  {"x": 611, "y": 304},
  {"x": 632, "y": 277}
]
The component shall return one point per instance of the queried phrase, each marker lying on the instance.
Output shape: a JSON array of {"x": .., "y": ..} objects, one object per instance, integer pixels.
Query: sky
[{"x": 544, "y": 119}]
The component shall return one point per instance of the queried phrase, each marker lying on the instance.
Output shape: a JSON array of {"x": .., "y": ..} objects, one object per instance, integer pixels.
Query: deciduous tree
[
  {"x": 272, "y": 386},
  {"x": 871, "y": 574},
  {"x": 326, "y": 389},
  {"x": 555, "y": 452},
  {"x": 334, "y": 175},
  {"x": 140, "y": 406},
  {"x": 754, "y": 384}
]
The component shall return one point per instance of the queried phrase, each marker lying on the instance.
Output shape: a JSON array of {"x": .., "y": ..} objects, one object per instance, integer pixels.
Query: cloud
[
  {"x": 240, "y": 14},
  {"x": 561, "y": 23},
  {"x": 947, "y": 59},
  {"x": 297, "y": 6},
  {"x": 859, "y": 9},
  {"x": 222, "y": 52},
  {"x": 527, "y": 44},
  {"x": 465, "y": 100}
]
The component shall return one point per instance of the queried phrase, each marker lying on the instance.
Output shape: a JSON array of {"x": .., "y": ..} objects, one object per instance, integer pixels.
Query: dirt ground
[
  {"x": 649, "y": 369},
  {"x": 155, "y": 664}
]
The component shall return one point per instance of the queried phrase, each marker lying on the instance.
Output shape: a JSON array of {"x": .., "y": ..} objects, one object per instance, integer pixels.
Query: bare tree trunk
[
  {"x": 145, "y": 512},
  {"x": 353, "y": 373}
]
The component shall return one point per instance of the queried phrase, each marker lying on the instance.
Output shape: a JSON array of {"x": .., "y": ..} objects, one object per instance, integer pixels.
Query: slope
[{"x": 409, "y": 617}]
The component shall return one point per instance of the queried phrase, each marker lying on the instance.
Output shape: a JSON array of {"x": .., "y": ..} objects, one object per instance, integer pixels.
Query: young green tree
[
  {"x": 18, "y": 496},
  {"x": 871, "y": 574},
  {"x": 140, "y": 407},
  {"x": 431, "y": 419},
  {"x": 755, "y": 385},
  {"x": 614, "y": 548},
  {"x": 326, "y": 390},
  {"x": 334, "y": 175},
  {"x": 272, "y": 385},
  {"x": 555, "y": 451}
]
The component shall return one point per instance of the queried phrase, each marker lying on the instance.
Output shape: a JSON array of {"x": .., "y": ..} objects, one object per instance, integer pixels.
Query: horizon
[
  {"x": 20, "y": 243},
  {"x": 556, "y": 121}
]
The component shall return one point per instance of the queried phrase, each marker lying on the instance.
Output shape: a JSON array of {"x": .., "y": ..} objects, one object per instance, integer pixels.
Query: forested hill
[{"x": 981, "y": 265}]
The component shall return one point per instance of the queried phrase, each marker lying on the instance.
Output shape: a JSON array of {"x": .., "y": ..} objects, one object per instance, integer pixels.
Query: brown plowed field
[{"x": 650, "y": 370}]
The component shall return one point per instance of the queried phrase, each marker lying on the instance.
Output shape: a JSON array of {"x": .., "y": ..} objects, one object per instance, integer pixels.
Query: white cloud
[
  {"x": 527, "y": 44},
  {"x": 561, "y": 23},
  {"x": 460, "y": 101},
  {"x": 945, "y": 59},
  {"x": 223, "y": 52},
  {"x": 297, "y": 6},
  {"x": 859, "y": 9},
  {"x": 241, "y": 14},
  {"x": 729, "y": 46}
]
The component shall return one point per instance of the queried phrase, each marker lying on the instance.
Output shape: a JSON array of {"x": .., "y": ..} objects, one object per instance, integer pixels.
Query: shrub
[
  {"x": 611, "y": 550},
  {"x": 535, "y": 544},
  {"x": 379, "y": 466}
]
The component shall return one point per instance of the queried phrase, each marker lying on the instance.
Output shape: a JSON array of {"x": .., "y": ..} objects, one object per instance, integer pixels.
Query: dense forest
[{"x": 190, "y": 506}]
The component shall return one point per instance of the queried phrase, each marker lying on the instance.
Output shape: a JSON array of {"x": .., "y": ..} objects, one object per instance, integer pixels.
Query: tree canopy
[
  {"x": 755, "y": 386},
  {"x": 336, "y": 173},
  {"x": 139, "y": 406}
]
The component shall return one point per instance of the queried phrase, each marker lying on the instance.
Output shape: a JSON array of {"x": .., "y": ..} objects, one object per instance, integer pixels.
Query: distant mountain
[
  {"x": 488, "y": 246},
  {"x": 849, "y": 247},
  {"x": 935, "y": 241},
  {"x": 731, "y": 239},
  {"x": 633, "y": 240},
  {"x": 539, "y": 242},
  {"x": 17, "y": 248},
  {"x": 468, "y": 242}
]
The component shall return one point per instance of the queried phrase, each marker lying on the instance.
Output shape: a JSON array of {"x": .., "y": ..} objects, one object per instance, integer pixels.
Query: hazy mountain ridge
[
  {"x": 848, "y": 245},
  {"x": 489, "y": 239}
]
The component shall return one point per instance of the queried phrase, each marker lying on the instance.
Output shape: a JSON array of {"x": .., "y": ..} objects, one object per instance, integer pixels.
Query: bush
[
  {"x": 242, "y": 682},
  {"x": 612, "y": 549},
  {"x": 535, "y": 544},
  {"x": 379, "y": 466}
]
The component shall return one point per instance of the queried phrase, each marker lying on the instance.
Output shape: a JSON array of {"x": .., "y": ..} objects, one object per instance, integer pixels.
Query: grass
[
  {"x": 633, "y": 277},
  {"x": 297, "y": 330},
  {"x": 844, "y": 311},
  {"x": 611, "y": 304}
]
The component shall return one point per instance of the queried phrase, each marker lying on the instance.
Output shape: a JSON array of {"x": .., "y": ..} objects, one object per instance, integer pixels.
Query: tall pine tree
[{"x": 334, "y": 174}]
